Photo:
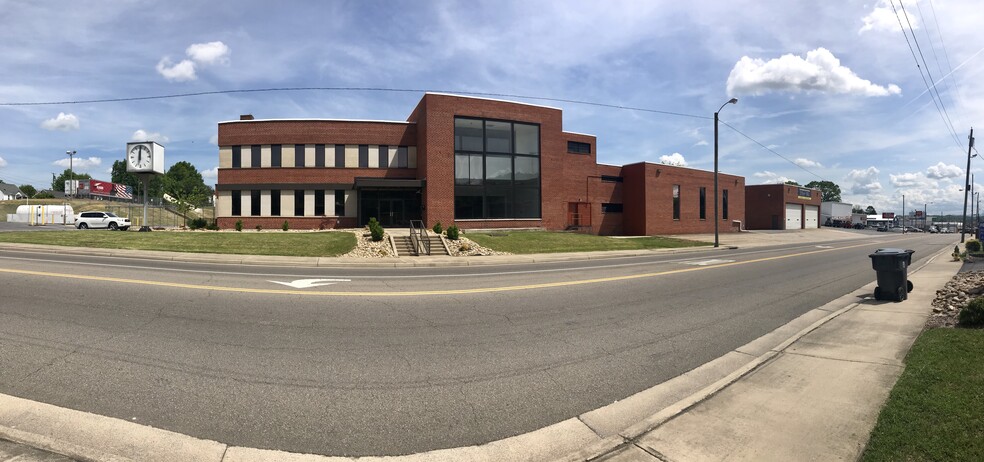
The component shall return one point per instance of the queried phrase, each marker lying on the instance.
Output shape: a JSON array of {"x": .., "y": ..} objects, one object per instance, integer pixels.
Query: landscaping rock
[{"x": 955, "y": 295}]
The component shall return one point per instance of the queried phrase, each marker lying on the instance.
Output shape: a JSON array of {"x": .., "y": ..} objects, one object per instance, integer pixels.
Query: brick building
[
  {"x": 474, "y": 162},
  {"x": 781, "y": 206}
]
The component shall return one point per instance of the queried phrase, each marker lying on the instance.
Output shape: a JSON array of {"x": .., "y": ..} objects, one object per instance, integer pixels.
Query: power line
[
  {"x": 379, "y": 89},
  {"x": 770, "y": 150},
  {"x": 945, "y": 119},
  {"x": 936, "y": 56}
]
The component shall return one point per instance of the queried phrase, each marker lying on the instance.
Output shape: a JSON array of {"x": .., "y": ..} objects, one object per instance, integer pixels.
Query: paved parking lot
[{"x": 7, "y": 226}]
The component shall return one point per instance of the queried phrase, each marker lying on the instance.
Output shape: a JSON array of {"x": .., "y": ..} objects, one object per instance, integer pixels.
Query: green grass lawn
[
  {"x": 328, "y": 244},
  {"x": 936, "y": 410},
  {"x": 524, "y": 242}
]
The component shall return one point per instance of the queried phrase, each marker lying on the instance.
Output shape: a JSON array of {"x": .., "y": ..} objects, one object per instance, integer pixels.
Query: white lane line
[
  {"x": 711, "y": 262},
  {"x": 309, "y": 283}
]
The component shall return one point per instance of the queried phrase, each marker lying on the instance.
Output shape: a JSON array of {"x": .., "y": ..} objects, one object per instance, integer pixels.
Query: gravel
[{"x": 954, "y": 296}]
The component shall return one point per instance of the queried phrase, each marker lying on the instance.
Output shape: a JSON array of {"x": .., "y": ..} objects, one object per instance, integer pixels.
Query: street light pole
[
  {"x": 970, "y": 146},
  {"x": 716, "y": 219},
  {"x": 71, "y": 173}
]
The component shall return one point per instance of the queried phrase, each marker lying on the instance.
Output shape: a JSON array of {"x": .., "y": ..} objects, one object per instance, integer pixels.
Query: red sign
[
  {"x": 887, "y": 215},
  {"x": 100, "y": 187},
  {"x": 919, "y": 214}
]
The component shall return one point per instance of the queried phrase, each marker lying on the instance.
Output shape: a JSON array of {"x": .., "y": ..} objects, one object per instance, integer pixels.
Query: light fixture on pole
[
  {"x": 716, "y": 220},
  {"x": 71, "y": 174}
]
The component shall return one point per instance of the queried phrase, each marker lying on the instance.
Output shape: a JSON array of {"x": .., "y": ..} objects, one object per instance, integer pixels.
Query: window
[
  {"x": 237, "y": 203},
  {"x": 339, "y": 202},
  {"x": 384, "y": 156},
  {"x": 339, "y": 155},
  {"x": 275, "y": 203},
  {"x": 237, "y": 157},
  {"x": 611, "y": 179},
  {"x": 724, "y": 204},
  {"x": 319, "y": 202},
  {"x": 254, "y": 156},
  {"x": 611, "y": 208},
  {"x": 402, "y": 157},
  {"x": 299, "y": 203},
  {"x": 676, "y": 202},
  {"x": 703, "y": 203},
  {"x": 363, "y": 156},
  {"x": 299, "y": 155},
  {"x": 577, "y": 147},
  {"x": 254, "y": 203},
  {"x": 319, "y": 155},
  {"x": 276, "y": 155},
  {"x": 496, "y": 169}
]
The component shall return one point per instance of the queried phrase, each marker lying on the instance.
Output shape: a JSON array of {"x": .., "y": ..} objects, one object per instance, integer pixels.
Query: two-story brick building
[{"x": 474, "y": 162}]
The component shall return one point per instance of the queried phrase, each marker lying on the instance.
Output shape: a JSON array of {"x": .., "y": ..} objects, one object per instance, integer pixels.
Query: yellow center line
[{"x": 545, "y": 285}]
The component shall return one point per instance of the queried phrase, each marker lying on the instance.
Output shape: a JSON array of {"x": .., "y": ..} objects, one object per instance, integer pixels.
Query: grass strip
[
  {"x": 526, "y": 242},
  {"x": 321, "y": 244},
  {"x": 936, "y": 410}
]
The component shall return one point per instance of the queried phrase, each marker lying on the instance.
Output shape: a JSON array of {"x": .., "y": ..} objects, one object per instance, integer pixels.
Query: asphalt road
[{"x": 393, "y": 361}]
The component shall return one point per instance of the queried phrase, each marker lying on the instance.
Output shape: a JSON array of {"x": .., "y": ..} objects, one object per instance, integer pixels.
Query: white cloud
[
  {"x": 63, "y": 122},
  {"x": 183, "y": 71},
  {"x": 907, "y": 180},
  {"x": 80, "y": 163},
  {"x": 806, "y": 163},
  {"x": 3, "y": 162},
  {"x": 209, "y": 53},
  {"x": 865, "y": 181},
  {"x": 210, "y": 174},
  {"x": 701, "y": 143},
  {"x": 143, "y": 135},
  {"x": 771, "y": 177},
  {"x": 941, "y": 171},
  {"x": 821, "y": 71},
  {"x": 673, "y": 159},
  {"x": 884, "y": 18}
]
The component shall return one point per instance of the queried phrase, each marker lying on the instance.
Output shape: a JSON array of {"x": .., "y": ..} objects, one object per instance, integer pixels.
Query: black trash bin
[{"x": 892, "y": 268}]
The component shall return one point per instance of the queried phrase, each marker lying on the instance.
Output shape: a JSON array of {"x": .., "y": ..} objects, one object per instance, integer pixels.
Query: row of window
[
  {"x": 325, "y": 155},
  {"x": 702, "y": 203},
  {"x": 255, "y": 207}
]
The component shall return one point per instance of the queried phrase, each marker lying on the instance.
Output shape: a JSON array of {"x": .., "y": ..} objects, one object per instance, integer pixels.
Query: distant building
[
  {"x": 473, "y": 162},
  {"x": 10, "y": 192},
  {"x": 782, "y": 206}
]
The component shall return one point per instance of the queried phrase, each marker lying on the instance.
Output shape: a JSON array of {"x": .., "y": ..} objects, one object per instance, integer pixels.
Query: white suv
[{"x": 87, "y": 220}]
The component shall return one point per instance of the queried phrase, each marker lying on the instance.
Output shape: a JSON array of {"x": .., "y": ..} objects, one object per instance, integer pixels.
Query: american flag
[{"x": 122, "y": 191}]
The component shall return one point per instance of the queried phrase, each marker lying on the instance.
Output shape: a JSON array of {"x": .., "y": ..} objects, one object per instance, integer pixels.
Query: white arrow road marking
[
  {"x": 309, "y": 283},
  {"x": 825, "y": 246},
  {"x": 707, "y": 262}
]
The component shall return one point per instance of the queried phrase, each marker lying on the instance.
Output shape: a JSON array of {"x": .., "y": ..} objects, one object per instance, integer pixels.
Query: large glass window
[
  {"x": 254, "y": 156},
  {"x": 299, "y": 203},
  {"x": 676, "y": 202},
  {"x": 339, "y": 202},
  {"x": 299, "y": 155},
  {"x": 254, "y": 203},
  {"x": 363, "y": 156},
  {"x": 724, "y": 204},
  {"x": 237, "y": 156},
  {"x": 237, "y": 203},
  {"x": 497, "y": 169},
  {"x": 319, "y": 202},
  {"x": 275, "y": 203},
  {"x": 339, "y": 155},
  {"x": 276, "y": 155},
  {"x": 319, "y": 155}
]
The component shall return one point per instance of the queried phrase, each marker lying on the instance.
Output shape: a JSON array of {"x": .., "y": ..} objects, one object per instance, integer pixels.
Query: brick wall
[{"x": 766, "y": 204}]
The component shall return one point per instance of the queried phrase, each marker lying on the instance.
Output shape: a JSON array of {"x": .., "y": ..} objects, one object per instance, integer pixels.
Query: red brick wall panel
[{"x": 316, "y": 132}]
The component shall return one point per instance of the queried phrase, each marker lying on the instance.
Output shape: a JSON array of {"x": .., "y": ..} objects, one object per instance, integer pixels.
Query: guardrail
[{"x": 419, "y": 238}]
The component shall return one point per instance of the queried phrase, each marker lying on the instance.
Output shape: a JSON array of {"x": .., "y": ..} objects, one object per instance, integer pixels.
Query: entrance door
[{"x": 392, "y": 208}]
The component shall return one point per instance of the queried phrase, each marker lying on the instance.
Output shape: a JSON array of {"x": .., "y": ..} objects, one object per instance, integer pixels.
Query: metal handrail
[{"x": 419, "y": 237}]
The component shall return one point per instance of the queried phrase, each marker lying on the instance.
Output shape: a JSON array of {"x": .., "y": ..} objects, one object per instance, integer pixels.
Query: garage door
[
  {"x": 812, "y": 217},
  {"x": 794, "y": 216}
]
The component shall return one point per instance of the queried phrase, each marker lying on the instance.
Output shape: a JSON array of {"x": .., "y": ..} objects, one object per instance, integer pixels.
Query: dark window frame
[
  {"x": 578, "y": 147},
  {"x": 676, "y": 202},
  {"x": 339, "y": 156},
  {"x": 319, "y": 155},
  {"x": 611, "y": 179},
  {"x": 237, "y": 157},
  {"x": 274, "y": 202},
  {"x": 298, "y": 202},
  {"x": 237, "y": 203},
  {"x": 276, "y": 155},
  {"x": 339, "y": 202},
  {"x": 319, "y": 202},
  {"x": 255, "y": 156},
  {"x": 611, "y": 208},
  {"x": 363, "y": 156},
  {"x": 724, "y": 204},
  {"x": 255, "y": 203},
  {"x": 383, "y": 156},
  {"x": 299, "y": 155},
  {"x": 702, "y": 204}
]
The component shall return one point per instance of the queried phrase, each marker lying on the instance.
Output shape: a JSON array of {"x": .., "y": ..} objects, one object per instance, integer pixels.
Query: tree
[
  {"x": 857, "y": 209},
  {"x": 829, "y": 191},
  {"x": 870, "y": 210},
  {"x": 44, "y": 195},
  {"x": 791, "y": 182},
  {"x": 27, "y": 189},
  {"x": 58, "y": 183},
  {"x": 183, "y": 183}
]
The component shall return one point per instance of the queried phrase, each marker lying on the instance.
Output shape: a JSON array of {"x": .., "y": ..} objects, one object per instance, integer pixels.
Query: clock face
[{"x": 140, "y": 157}]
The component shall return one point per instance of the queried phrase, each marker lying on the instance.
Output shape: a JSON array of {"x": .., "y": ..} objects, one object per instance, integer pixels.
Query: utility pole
[
  {"x": 903, "y": 214},
  {"x": 73, "y": 187},
  {"x": 970, "y": 146}
]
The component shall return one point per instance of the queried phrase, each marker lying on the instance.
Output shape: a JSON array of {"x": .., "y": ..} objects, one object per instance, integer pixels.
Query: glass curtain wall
[{"x": 496, "y": 169}]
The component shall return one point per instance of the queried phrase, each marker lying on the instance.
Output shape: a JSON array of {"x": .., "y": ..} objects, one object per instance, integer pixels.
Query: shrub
[
  {"x": 197, "y": 223},
  {"x": 239, "y": 225},
  {"x": 285, "y": 226},
  {"x": 213, "y": 226},
  {"x": 973, "y": 245},
  {"x": 465, "y": 247},
  {"x": 438, "y": 229},
  {"x": 453, "y": 232},
  {"x": 375, "y": 230},
  {"x": 973, "y": 313},
  {"x": 259, "y": 227}
]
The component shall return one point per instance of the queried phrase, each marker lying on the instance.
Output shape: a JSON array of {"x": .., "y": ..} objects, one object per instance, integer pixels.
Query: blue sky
[{"x": 831, "y": 86}]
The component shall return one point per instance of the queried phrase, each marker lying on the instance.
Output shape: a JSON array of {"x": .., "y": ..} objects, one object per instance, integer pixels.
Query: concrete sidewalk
[{"x": 810, "y": 390}]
